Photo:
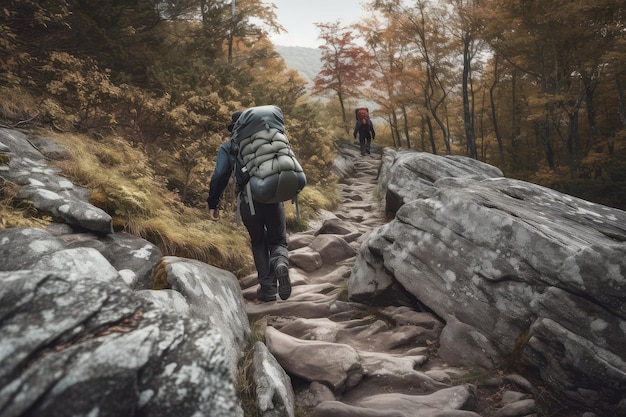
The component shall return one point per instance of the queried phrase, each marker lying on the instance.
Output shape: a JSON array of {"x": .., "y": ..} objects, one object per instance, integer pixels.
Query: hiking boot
[
  {"x": 284, "y": 284},
  {"x": 261, "y": 296}
]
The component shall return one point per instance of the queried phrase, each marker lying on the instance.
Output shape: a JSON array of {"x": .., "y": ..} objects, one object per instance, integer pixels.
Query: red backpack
[{"x": 363, "y": 116}]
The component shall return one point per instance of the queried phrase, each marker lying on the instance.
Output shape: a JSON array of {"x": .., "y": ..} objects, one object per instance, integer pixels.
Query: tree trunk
[
  {"x": 343, "y": 112},
  {"x": 406, "y": 128},
  {"x": 444, "y": 132},
  {"x": 389, "y": 119},
  {"x": 514, "y": 126},
  {"x": 423, "y": 134},
  {"x": 431, "y": 136},
  {"x": 494, "y": 113},
  {"x": 481, "y": 129},
  {"x": 468, "y": 116},
  {"x": 395, "y": 130},
  {"x": 591, "y": 112}
]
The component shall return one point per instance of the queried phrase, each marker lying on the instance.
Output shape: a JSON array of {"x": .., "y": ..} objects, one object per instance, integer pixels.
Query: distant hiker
[
  {"x": 265, "y": 221},
  {"x": 365, "y": 128}
]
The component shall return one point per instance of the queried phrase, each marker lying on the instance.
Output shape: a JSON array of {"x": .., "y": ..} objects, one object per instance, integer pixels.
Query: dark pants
[
  {"x": 365, "y": 142},
  {"x": 268, "y": 239}
]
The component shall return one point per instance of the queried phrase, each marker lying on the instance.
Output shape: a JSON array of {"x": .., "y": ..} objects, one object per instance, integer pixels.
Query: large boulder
[
  {"x": 22, "y": 248},
  {"x": 214, "y": 296},
  {"x": 88, "y": 270},
  {"x": 408, "y": 175},
  {"x": 77, "y": 346},
  {"x": 516, "y": 271}
]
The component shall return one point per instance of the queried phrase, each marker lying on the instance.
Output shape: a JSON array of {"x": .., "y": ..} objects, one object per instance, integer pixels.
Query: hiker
[
  {"x": 266, "y": 227},
  {"x": 365, "y": 128}
]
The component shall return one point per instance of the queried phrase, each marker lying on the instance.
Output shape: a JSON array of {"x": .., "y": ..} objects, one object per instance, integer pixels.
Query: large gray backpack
[{"x": 266, "y": 168}]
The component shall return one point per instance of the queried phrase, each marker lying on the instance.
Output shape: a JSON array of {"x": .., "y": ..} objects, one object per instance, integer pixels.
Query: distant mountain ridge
[{"x": 307, "y": 61}]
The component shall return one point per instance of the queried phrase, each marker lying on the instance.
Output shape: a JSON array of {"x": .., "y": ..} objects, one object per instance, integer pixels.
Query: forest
[{"x": 532, "y": 87}]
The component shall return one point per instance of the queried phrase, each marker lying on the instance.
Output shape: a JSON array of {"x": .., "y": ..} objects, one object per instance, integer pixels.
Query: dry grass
[
  {"x": 125, "y": 186},
  {"x": 17, "y": 108},
  {"x": 15, "y": 213},
  {"x": 244, "y": 381}
]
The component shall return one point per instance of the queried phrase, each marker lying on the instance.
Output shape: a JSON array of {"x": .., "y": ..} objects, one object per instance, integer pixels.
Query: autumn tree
[
  {"x": 344, "y": 65},
  {"x": 465, "y": 29},
  {"x": 430, "y": 61},
  {"x": 269, "y": 81},
  {"x": 547, "y": 103},
  {"x": 493, "y": 107},
  {"x": 155, "y": 72},
  {"x": 563, "y": 49},
  {"x": 388, "y": 53}
]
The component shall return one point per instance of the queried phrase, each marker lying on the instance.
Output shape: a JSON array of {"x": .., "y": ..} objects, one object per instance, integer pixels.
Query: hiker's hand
[{"x": 214, "y": 214}]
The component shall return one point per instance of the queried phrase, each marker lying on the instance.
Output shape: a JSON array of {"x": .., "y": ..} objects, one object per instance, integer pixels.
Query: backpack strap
[
  {"x": 242, "y": 195},
  {"x": 237, "y": 210},
  {"x": 249, "y": 196},
  {"x": 241, "y": 198}
]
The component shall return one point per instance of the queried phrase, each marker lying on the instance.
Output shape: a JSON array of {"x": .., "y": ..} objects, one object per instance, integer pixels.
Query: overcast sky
[{"x": 298, "y": 17}]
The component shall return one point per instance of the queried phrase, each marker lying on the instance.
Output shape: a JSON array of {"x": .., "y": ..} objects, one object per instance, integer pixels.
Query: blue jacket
[{"x": 223, "y": 170}]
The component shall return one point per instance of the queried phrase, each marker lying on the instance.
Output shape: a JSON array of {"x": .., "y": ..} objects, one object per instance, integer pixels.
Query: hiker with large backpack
[
  {"x": 364, "y": 128},
  {"x": 267, "y": 173}
]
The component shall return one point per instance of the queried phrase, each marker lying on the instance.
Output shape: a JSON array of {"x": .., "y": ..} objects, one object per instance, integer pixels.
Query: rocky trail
[
  {"x": 410, "y": 316},
  {"x": 350, "y": 359}
]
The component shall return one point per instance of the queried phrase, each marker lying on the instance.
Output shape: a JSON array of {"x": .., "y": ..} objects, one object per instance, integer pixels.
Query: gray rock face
[
  {"x": 214, "y": 296},
  {"x": 407, "y": 175},
  {"x": 78, "y": 346},
  {"x": 22, "y": 248},
  {"x": 134, "y": 258},
  {"x": 83, "y": 254},
  {"x": 511, "y": 267},
  {"x": 48, "y": 191},
  {"x": 206, "y": 297},
  {"x": 275, "y": 397}
]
